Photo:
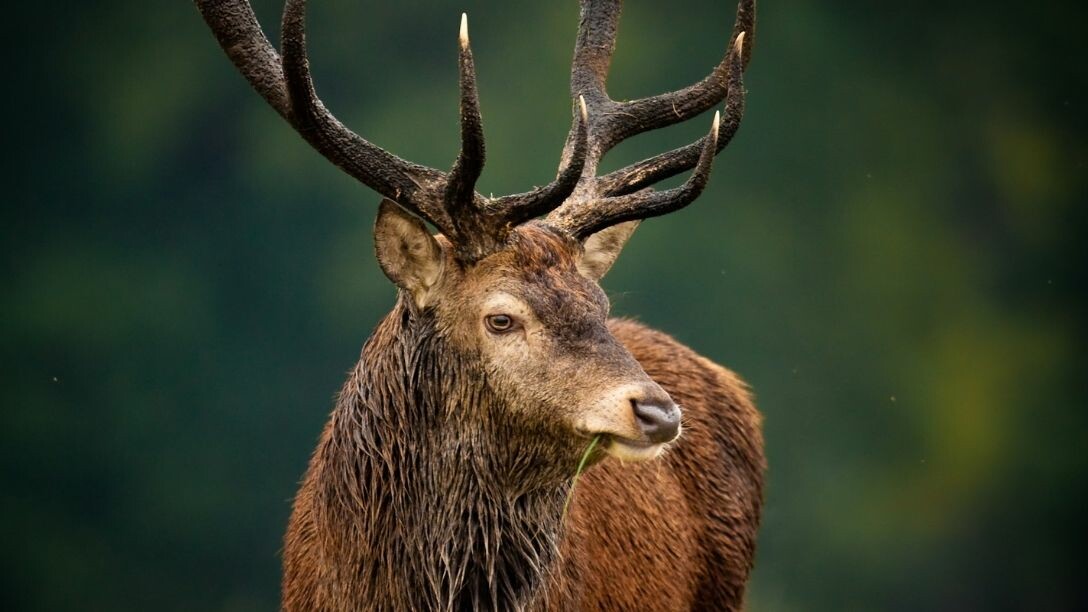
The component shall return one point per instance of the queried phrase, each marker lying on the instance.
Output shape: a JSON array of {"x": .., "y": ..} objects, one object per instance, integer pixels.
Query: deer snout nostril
[{"x": 660, "y": 422}]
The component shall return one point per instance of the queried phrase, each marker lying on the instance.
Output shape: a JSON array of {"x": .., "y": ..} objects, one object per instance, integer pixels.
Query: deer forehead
[
  {"x": 554, "y": 299},
  {"x": 537, "y": 264}
]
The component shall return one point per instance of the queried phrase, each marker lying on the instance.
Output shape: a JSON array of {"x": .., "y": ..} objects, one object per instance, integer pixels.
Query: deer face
[{"x": 534, "y": 316}]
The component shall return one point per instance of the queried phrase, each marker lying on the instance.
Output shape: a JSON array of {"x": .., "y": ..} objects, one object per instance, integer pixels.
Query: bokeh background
[{"x": 891, "y": 252}]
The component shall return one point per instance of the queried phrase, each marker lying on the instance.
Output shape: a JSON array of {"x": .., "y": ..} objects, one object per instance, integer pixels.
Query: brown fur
[{"x": 440, "y": 478}]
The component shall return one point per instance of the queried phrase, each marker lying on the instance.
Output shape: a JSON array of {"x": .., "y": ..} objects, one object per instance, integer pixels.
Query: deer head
[{"x": 510, "y": 284}]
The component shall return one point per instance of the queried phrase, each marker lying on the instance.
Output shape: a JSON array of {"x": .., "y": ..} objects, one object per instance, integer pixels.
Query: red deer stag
[{"x": 440, "y": 480}]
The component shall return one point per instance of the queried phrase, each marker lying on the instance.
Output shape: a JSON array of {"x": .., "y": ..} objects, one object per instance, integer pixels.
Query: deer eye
[{"x": 500, "y": 323}]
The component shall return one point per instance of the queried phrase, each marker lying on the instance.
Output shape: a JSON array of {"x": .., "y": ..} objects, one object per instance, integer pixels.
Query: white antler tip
[
  {"x": 717, "y": 123},
  {"x": 739, "y": 44},
  {"x": 464, "y": 29},
  {"x": 582, "y": 108}
]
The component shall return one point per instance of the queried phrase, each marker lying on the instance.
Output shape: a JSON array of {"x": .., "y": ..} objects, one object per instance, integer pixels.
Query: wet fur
[{"x": 427, "y": 492}]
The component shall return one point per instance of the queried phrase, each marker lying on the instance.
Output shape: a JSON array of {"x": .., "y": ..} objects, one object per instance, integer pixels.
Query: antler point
[{"x": 464, "y": 30}]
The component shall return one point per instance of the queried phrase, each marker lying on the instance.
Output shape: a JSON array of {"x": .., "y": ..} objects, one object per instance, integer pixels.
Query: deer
[{"x": 442, "y": 478}]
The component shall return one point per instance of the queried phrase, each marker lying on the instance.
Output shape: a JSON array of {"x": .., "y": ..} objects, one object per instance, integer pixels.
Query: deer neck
[{"x": 429, "y": 500}]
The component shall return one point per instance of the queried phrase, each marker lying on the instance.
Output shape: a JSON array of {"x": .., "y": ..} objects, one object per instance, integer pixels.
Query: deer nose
[{"x": 659, "y": 420}]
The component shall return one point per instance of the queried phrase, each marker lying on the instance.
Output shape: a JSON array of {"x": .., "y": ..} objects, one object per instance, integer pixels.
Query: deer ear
[
  {"x": 407, "y": 252},
  {"x": 602, "y": 249}
]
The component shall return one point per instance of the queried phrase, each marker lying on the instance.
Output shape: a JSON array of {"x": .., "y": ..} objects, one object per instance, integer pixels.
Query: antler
[
  {"x": 474, "y": 224},
  {"x": 599, "y": 202},
  {"x": 578, "y": 201}
]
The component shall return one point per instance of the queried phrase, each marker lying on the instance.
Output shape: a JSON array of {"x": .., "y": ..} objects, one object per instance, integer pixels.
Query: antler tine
[
  {"x": 460, "y": 192},
  {"x": 744, "y": 26},
  {"x": 521, "y": 207},
  {"x": 583, "y": 221},
  {"x": 660, "y": 167},
  {"x": 411, "y": 185},
  {"x": 593, "y": 51},
  {"x": 645, "y": 114},
  {"x": 473, "y": 232}
]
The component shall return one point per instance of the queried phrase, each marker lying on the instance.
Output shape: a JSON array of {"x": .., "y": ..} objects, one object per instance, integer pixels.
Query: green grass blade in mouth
[{"x": 581, "y": 466}]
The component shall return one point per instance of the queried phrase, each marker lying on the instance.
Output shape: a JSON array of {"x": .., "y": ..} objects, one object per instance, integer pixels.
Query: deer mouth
[{"x": 626, "y": 449}]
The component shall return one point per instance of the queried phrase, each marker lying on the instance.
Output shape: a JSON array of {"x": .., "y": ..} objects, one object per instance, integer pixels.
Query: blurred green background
[{"x": 891, "y": 252}]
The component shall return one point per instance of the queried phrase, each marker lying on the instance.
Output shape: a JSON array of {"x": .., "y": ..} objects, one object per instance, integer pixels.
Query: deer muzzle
[{"x": 636, "y": 421}]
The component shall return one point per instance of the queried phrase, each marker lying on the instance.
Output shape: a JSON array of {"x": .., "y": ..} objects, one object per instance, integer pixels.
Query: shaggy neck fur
[{"x": 430, "y": 498}]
